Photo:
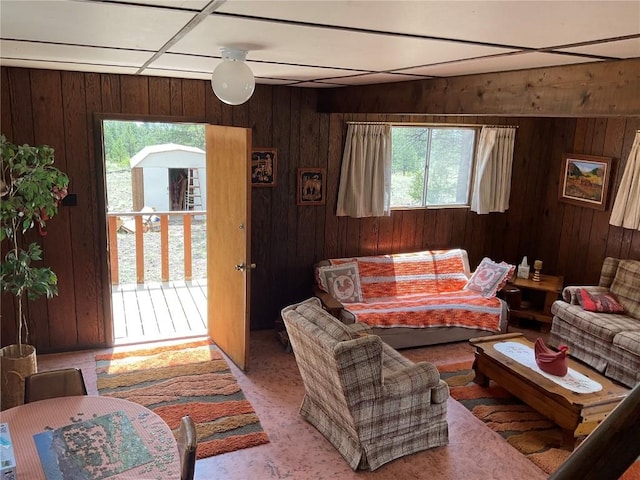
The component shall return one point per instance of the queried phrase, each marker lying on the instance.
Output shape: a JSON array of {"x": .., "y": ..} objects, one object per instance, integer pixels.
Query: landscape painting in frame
[
  {"x": 263, "y": 167},
  {"x": 584, "y": 180}
]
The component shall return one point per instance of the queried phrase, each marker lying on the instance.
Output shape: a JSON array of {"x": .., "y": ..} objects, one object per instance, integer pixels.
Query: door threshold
[{"x": 121, "y": 342}]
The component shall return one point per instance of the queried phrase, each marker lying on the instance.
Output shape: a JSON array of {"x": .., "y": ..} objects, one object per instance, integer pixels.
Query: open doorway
[{"x": 156, "y": 215}]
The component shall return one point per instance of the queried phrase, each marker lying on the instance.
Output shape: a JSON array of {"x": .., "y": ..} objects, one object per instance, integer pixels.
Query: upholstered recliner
[{"x": 370, "y": 402}]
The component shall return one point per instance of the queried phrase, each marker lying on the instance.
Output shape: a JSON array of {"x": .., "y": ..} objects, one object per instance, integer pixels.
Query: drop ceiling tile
[
  {"x": 281, "y": 53},
  {"x": 174, "y": 61},
  {"x": 497, "y": 64},
  {"x": 317, "y": 85},
  {"x": 90, "y": 23},
  {"x": 194, "y": 5},
  {"x": 71, "y": 67},
  {"x": 13, "y": 50},
  {"x": 275, "y": 81},
  {"x": 296, "y": 73},
  {"x": 374, "y": 78},
  {"x": 620, "y": 49},
  {"x": 176, "y": 73},
  {"x": 320, "y": 47},
  {"x": 195, "y": 63},
  {"x": 520, "y": 23}
]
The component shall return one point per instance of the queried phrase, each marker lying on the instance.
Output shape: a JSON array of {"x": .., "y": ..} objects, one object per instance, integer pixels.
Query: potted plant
[{"x": 30, "y": 190}]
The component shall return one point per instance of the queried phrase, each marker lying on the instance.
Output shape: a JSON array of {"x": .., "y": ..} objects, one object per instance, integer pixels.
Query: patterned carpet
[
  {"x": 532, "y": 434},
  {"x": 187, "y": 379}
]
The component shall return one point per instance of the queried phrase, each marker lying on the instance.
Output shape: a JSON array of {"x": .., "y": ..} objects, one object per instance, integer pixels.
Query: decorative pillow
[
  {"x": 342, "y": 281},
  {"x": 489, "y": 277},
  {"x": 509, "y": 276},
  {"x": 599, "y": 302},
  {"x": 320, "y": 280}
]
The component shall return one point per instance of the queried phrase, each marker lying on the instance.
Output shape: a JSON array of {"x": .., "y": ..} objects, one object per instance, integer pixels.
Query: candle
[{"x": 537, "y": 265}]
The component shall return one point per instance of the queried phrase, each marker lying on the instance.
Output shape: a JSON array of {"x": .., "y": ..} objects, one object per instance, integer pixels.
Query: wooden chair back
[
  {"x": 63, "y": 382},
  {"x": 187, "y": 445}
]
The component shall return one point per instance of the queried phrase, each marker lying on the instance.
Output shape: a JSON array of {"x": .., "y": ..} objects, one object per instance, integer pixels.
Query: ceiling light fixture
[{"x": 232, "y": 80}]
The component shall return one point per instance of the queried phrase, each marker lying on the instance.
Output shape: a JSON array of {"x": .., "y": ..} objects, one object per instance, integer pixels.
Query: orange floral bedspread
[
  {"x": 453, "y": 309},
  {"x": 421, "y": 290}
]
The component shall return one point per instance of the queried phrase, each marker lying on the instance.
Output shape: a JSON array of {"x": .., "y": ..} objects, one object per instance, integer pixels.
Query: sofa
[
  {"x": 415, "y": 299},
  {"x": 370, "y": 402},
  {"x": 586, "y": 321}
]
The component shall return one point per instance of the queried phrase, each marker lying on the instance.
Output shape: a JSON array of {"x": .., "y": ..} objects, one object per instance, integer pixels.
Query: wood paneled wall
[
  {"x": 58, "y": 108},
  {"x": 571, "y": 241},
  {"x": 598, "y": 89}
]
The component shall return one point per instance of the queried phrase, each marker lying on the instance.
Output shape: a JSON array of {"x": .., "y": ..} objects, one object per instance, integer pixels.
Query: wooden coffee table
[{"x": 576, "y": 413}]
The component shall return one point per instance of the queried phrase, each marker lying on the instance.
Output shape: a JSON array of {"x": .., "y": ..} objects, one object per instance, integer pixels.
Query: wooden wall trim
[{"x": 599, "y": 89}]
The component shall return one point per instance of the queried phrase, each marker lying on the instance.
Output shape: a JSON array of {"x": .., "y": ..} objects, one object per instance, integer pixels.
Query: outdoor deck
[{"x": 154, "y": 311}]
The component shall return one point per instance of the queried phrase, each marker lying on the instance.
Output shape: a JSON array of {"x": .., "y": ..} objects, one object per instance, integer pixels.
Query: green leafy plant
[{"x": 30, "y": 189}]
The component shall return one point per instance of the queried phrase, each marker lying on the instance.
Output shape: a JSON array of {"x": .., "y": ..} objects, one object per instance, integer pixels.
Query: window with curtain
[
  {"x": 431, "y": 166},
  {"x": 366, "y": 171},
  {"x": 626, "y": 208},
  {"x": 494, "y": 160}
]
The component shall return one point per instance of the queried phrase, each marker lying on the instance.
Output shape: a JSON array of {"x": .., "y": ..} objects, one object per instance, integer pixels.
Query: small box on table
[{"x": 7, "y": 460}]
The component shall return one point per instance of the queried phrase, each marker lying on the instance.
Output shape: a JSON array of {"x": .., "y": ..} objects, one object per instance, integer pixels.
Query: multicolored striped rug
[
  {"x": 185, "y": 379},
  {"x": 535, "y": 436}
]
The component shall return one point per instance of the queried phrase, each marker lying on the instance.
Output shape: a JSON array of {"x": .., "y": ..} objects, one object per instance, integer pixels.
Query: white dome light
[{"x": 232, "y": 80}]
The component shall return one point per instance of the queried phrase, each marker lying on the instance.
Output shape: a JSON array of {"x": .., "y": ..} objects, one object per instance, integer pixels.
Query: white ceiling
[{"x": 313, "y": 43}]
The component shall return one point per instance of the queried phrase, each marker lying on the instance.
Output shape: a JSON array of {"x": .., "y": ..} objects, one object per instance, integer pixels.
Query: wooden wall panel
[
  {"x": 48, "y": 121},
  {"x": 7, "y": 306},
  {"x": 307, "y": 156},
  {"x": 261, "y": 112},
  {"x": 134, "y": 94},
  {"x": 281, "y": 195},
  {"x": 175, "y": 96},
  {"x": 586, "y": 237},
  {"x": 293, "y": 278},
  {"x": 598, "y": 89},
  {"x": 94, "y": 171},
  {"x": 551, "y": 224},
  {"x": 334, "y": 160},
  {"x": 193, "y": 94},
  {"x": 59, "y": 108},
  {"x": 159, "y": 98},
  {"x": 86, "y": 271}
]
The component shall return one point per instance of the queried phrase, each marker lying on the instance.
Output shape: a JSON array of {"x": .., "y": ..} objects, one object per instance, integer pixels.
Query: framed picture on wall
[
  {"x": 263, "y": 167},
  {"x": 584, "y": 180},
  {"x": 312, "y": 184}
]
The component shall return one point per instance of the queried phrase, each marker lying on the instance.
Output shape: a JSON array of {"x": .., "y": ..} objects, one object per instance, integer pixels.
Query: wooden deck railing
[{"x": 141, "y": 225}]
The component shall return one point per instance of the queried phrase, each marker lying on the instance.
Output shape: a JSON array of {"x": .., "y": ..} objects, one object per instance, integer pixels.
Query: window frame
[{"x": 476, "y": 129}]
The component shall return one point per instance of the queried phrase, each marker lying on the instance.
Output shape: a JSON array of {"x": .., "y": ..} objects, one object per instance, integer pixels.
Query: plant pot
[{"x": 16, "y": 363}]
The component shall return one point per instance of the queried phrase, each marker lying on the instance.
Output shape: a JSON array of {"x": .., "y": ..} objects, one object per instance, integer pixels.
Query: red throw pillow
[{"x": 599, "y": 302}]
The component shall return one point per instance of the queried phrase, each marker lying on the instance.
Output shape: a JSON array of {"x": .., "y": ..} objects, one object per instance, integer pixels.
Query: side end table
[{"x": 539, "y": 296}]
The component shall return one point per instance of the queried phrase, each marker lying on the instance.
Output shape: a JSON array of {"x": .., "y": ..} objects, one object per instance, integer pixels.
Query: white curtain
[
  {"x": 626, "y": 208},
  {"x": 365, "y": 179},
  {"x": 494, "y": 159}
]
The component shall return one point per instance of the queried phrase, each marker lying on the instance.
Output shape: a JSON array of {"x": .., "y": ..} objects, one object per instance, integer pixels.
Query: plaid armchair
[{"x": 370, "y": 402}]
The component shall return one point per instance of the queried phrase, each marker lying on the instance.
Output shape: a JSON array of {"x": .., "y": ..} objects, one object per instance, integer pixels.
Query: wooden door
[{"x": 229, "y": 239}]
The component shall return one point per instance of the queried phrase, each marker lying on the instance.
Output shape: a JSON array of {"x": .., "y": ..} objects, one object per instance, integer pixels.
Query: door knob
[{"x": 241, "y": 267}]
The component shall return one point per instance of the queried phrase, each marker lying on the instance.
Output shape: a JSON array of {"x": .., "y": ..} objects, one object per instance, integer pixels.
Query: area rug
[
  {"x": 185, "y": 379},
  {"x": 535, "y": 436}
]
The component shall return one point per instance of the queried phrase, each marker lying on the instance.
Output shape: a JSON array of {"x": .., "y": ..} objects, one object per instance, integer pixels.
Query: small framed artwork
[
  {"x": 312, "y": 184},
  {"x": 584, "y": 180},
  {"x": 263, "y": 167}
]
